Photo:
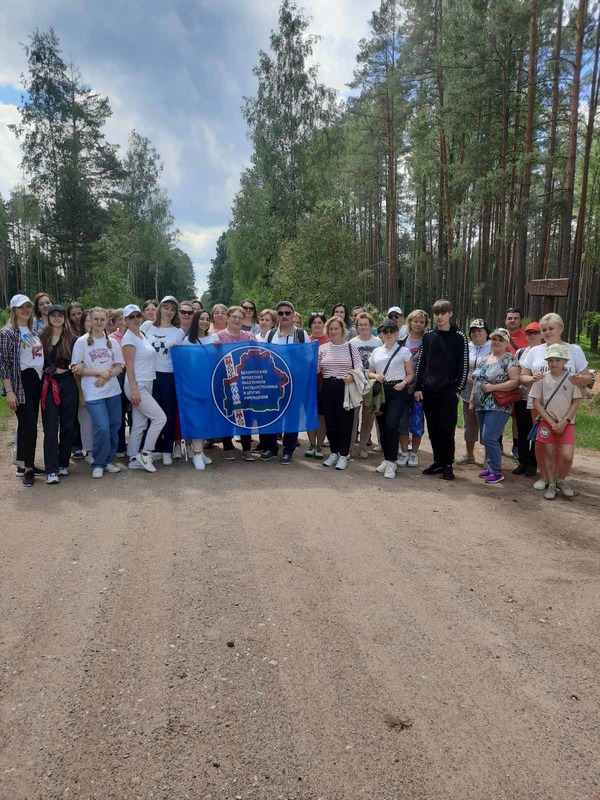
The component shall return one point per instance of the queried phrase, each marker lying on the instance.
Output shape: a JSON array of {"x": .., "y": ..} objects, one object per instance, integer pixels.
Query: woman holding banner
[{"x": 234, "y": 333}]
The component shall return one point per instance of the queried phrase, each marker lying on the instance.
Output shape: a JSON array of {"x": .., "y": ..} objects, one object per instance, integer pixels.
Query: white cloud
[
  {"x": 10, "y": 153},
  {"x": 200, "y": 243},
  {"x": 201, "y": 273}
]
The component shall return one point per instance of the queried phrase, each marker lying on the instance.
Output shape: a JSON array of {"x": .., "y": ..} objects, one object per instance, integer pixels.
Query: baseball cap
[
  {"x": 502, "y": 332},
  {"x": 557, "y": 351},
  {"x": 284, "y": 303},
  {"x": 388, "y": 323},
  {"x": 478, "y": 323},
  {"x": 19, "y": 300},
  {"x": 395, "y": 310},
  {"x": 130, "y": 309},
  {"x": 533, "y": 326},
  {"x": 170, "y": 299},
  {"x": 56, "y": 307}
]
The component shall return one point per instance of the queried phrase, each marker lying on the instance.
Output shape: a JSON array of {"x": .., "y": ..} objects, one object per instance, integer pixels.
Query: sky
[{"x": 176, "y": 71}]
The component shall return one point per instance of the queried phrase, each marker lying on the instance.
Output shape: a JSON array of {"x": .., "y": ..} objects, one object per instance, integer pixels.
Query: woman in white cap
[
  {"x": 396, "y": 313},
  {"x": 99, "y": 362},
  {"x": 60, "y": 395},
  {"x": 499, "y": 372},
  {"x": 21, "y": 367},
  {"x": 163, "y": 334},
  {"x": 140, "y": 364}
]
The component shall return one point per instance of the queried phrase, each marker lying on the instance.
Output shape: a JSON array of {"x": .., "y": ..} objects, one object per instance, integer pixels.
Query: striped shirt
[{"x": 336, "y": 360}]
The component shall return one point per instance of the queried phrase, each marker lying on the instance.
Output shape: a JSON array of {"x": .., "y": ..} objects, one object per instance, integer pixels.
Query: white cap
[
  {"x": 170, "y": 299},
  {"x": 18, "y": 300},
  {"x": 130, "y": 309},
  {"x": 395, "y": 310}
]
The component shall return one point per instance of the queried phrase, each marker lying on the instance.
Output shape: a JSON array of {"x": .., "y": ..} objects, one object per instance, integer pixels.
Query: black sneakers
[
  {"x": 267, "y": 455},
  {"x": 434, "y": 469},
  {"x": 448, "y": 473}
]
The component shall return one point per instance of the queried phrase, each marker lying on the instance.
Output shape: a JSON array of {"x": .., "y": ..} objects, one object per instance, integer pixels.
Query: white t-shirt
[
  {"x": 97, "y": 356},
  {"x": 144, "y": 364},
  {"x": 397, "y": 371},
  {"x": 210, "y": 338},
  {"x": 535, "y": 360},
  {"x": 366, "y": 348},
  {"x": 279, "y": 339},
  {"x": 162, "y": 339},
  {"x": 31, "y": 352}
]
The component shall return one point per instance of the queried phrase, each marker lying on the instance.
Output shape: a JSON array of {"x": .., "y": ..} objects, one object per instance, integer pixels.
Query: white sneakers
[
  {"x": 540, "y": 485},
  {"x": 390, "y": 470},
  {"x": 97, "y": 472},
  {"x": 413, "y": 460},
  {"x": 113, "y": 468},
  {"x": 52, "y": 478},
  {"x": 342, "y": 462},
  {"x": 403, "y": 460},
  {"x": 145, "y": 459},
  {"x": 167, "y": 460},
  {"x": 206, "y": 459},
  {"x": 177, "y": 451},
  {"x": 198, "y": 461},
  {"x": 331, "y": 460},
  {"x": 382, "y": 467}
]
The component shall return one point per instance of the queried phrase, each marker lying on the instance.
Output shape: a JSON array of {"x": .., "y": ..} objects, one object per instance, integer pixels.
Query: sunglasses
[
  {"x": 248, "y": 308},
  {"x": 394, "y": 316},
  {"x": 389, "y": 330},
  {"x": 284, "y": 313},
  {"x": 532, "y": 333},
  {"x": 186, "y": 313},
  {"x": 134, "y": 316}
]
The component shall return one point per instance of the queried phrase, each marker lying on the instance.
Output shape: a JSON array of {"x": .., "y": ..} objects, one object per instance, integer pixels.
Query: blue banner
[{"x": 245, "y": 387}]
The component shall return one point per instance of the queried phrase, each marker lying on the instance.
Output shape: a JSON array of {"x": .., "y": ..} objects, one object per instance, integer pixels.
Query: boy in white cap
[
  {"x": 396, "y": 313},
  {"x": 556, "y": 400}
]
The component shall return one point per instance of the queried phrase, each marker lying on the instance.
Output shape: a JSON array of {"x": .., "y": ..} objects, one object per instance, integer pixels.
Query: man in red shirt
[{"x": 513, "y": 321}]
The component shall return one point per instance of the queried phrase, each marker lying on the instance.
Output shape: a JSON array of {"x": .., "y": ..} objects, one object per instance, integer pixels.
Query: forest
[
  {"x": 86, "y": 223},
  {"x": 464, "y": 163}
]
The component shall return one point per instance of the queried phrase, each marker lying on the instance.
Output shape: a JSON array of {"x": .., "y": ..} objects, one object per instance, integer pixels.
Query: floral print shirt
[{"x": 495, "y": 372}]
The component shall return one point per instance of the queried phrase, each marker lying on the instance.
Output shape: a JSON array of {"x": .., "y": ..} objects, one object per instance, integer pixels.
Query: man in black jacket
[{"x": 441, "y": 375}]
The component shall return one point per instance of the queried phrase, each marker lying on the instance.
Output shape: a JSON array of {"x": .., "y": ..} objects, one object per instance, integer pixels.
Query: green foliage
[
  {"x": 220, "y": 279},
  {"x": 317, "y": 269}
]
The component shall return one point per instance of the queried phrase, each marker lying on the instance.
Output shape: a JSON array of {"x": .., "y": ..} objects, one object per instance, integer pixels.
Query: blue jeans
[
  {"x": 491, "y": 425},
  {"x": 106, "y": 421}
]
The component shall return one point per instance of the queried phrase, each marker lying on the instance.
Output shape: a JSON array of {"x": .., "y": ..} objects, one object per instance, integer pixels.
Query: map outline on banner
[{"x": 233, "y": 382}]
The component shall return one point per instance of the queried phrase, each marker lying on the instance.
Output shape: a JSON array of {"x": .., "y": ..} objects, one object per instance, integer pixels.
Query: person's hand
[
  {"x": 11, "y": 400},
  {"x": 135, "y": 397},
  {"x": 538, "y": 376},
  {"x": 560, "y": 427},
  {"x": 488, "y": 387},
  {"x": 380, "y": 378},
  {"x": 100, "y": 382},
  {"x": 77, "y": 369},
  {"x": 348, "y": 379},
  {"x": 399, "y": 388},
  {"x": 471, "y": 406},
  {"x": 217, "y": 342},
  {"x": 580, "y": 380},
  {"x": 418, "y": 396},
  {"x": 106, "y": 374}
]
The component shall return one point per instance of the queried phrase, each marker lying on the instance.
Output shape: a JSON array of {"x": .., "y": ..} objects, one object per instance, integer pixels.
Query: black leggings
[
  {"x": 338, "y": 421},
  {"x": 27, "y": 415}
]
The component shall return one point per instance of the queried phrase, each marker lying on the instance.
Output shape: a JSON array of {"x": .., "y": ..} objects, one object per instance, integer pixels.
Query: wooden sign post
[{"x": 548, "y": 288}]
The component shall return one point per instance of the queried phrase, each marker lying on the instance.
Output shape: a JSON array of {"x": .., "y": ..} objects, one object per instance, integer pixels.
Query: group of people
[{"x": 94, "y": 372}]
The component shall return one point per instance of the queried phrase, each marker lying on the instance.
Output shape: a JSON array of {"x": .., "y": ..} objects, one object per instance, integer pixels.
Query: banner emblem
[{"x": 252, "y": 381}]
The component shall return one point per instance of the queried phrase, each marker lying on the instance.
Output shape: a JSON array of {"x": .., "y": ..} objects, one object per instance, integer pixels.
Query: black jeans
[
  {"x": 55, "y": 418},
  {"x": 524, "y": 425},
  {"x": 290, "y": 440},
  {"x": 163, "y": 391},
  {"x": 246, "y": 443},
  {"x": 441, "y": 413},
  {"x": 389, "y": 420},
  {"x": 338, "y": 421},
  {"x": 27, "y": 415}
]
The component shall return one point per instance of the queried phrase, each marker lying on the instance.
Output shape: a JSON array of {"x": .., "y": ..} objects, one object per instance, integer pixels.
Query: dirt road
[{"x": 264, "y": 632}]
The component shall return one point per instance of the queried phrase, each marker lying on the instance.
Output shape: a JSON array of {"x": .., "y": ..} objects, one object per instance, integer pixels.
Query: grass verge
[{"x": 5, "y": 413}]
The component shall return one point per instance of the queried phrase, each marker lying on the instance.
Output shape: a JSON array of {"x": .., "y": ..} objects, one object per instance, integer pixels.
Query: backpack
[{"x": 299, "y": 335}]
